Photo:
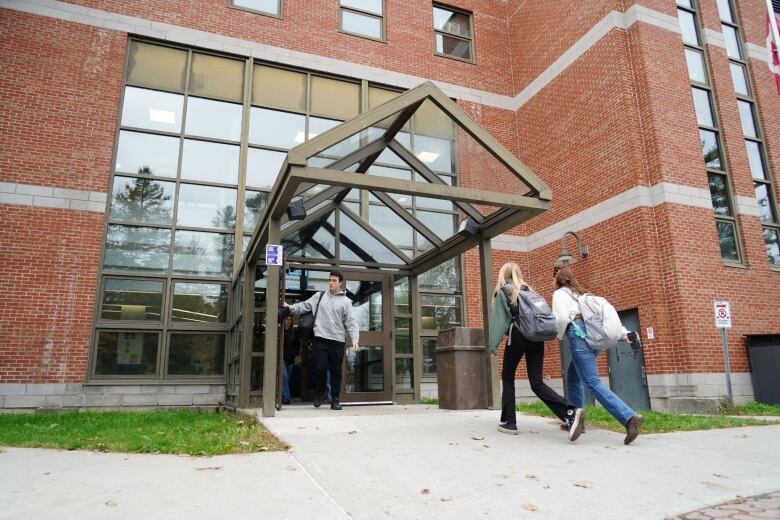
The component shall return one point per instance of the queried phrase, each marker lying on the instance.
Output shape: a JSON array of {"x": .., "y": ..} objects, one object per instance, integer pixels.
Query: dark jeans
[
  {"x": 327, "y": 354},
  {"x": 534, "y": 359}
]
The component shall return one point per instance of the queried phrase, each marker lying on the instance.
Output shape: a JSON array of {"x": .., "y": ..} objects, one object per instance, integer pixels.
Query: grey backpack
[{"x": 532, "y": 316}]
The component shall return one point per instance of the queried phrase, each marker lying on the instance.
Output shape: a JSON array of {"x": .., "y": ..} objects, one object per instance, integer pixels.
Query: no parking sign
[{"x": 722, "y": 314}]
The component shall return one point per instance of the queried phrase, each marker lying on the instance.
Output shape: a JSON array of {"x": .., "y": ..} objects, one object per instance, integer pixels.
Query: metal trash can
[
  {"x": 764, "y": 352},
  {"x": 462, "y": 369}
]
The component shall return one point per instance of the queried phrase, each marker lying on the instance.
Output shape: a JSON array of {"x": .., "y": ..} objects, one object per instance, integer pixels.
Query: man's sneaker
[
  {"x": 632, "y": 428},
  {"x": 510, "y": 429},
  {"x": 334, "y": 405},
  {"x": 577, "y": 425}
]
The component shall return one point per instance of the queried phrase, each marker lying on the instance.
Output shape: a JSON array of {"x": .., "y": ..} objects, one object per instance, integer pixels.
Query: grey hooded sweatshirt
[{"x": 334, "y": 317}]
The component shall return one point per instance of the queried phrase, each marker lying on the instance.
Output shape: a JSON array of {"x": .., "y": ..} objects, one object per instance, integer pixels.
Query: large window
[
  {"x": 453, "y": 33},
  {"x": 269, "y": 7},
  {"x": 751, "y": 129},
  {"x": 363, "y": 18},
  {"x": 709, "y": 133}
]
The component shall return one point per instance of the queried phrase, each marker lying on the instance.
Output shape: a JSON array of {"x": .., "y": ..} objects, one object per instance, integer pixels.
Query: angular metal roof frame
[{"x": 295, "y": 176}]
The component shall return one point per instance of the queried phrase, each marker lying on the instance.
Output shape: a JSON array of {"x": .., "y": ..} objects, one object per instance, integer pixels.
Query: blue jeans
[
  {"x": 583, "y": 369},
  {"x": 286, "y": 371}
]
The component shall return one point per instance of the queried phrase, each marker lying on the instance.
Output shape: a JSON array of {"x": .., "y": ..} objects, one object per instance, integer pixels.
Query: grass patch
[
  {"x": 188, "y": 432},
  {"x": 655, "y": 422},
  {"x": 750, "y": 409},
  {"x": 428, "y": 400}
]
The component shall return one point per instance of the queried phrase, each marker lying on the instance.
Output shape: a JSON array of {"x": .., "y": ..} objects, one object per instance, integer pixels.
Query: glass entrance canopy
[{"x": 403, "y": 187}]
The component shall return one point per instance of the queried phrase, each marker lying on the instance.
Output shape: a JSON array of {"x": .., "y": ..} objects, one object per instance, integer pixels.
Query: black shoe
[
  {"x": 632, "y": 428},
  {"x": 334, "y": 405},
  {"x": 318, "y": 401},
  {"x": 509, "y": 429},
  {"x": 577, "y": 424}
]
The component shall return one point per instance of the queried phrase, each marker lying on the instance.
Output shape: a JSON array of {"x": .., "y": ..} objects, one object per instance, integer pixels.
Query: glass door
[{"x": 367, "y": 374}]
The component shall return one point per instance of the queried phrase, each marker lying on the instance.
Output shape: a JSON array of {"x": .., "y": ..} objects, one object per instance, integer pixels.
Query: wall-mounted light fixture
[
  {"x": 566, "y": 257},
  {"x": 296, "y": 210},
  {"x": 468, "y": 227}
]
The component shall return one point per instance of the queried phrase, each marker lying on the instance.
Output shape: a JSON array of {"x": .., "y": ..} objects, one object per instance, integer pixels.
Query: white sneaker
[{"x": 577, "y": 425}]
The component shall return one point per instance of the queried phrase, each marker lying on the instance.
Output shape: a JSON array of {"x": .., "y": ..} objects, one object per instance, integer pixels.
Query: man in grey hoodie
[{"x": 334, "y": 319}]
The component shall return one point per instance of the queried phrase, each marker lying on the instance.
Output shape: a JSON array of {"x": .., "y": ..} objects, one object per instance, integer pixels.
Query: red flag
[{"x": 772, "y": 45}]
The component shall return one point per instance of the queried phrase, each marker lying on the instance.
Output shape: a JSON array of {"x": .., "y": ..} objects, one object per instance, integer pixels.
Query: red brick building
[{"x": 655, "y": 124}]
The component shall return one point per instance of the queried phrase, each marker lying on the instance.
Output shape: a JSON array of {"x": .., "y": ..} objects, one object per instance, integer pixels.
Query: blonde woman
[{"x": 505, "y": 298}]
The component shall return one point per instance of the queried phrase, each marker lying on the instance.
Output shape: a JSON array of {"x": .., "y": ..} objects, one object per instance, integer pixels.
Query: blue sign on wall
[{"x": 273, "y": 254}]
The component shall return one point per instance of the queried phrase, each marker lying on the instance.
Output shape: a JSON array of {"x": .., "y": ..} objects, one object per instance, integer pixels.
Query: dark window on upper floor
[{"x": 453, "y": 33}]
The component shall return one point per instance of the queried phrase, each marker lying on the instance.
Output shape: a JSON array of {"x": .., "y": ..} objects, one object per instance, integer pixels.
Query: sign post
[{"x": 723, "y": 322}]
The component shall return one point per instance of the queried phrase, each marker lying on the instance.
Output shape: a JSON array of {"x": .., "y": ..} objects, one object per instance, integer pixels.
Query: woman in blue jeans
[{"x": 582, "y": 368}]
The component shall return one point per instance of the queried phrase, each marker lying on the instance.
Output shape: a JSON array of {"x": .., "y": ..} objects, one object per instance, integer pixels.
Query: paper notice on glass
[{"x": 130, "y": 348}]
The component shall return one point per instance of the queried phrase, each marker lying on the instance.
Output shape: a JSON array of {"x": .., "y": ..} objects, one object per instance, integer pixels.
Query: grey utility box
[
  {"x": 462, "y": 369},
  {"x": 764, "y": 352}
]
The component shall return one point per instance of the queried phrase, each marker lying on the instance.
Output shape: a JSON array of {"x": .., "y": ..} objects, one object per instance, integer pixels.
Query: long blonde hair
[{"x": 509, "y": 273}]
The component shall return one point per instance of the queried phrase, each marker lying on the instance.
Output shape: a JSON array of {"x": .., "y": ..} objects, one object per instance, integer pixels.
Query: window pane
[
  {"x": 378, "y": 96},
  {"x": 366, "y": 374},
  {"x": 139, "y": 300},
  {"x": 206, "y": 207},
  {"x": 386, "y": 222},
  {"x": 725, "y": 11},
  {"x": 153, "y": 110},
  {"x": 719, "y": 191},
  {"x": 695, "y": 62},
  {"x": 137, "y": 248},
  {"x": 403, "y": 341},
  {"x": 757, "y": 169},
  {"x": 263, "y": 167},
  {"x": 215, "y": 119},
  {"x": 739, "y": 79},
  {"x": 318, "y": 126},
  {"x": 451, "y": 22},
  {"x": 156, "y": 66},
  {"x": 334, "y": 98},
  {"x": 211, "y": 162},
  {"x": 772, "y": 243},
  {"x": 434, "y": 153},
  {"x": 273, "y": 128},
  {"x": 196, "y": 354},
  {"x": 217, "y": 77},
  {"x": 279, "y": 88},
  {"x": 685, "y": 3},
  {"x": 361, "y": 24},
  {"x": 688, "y": 27},
  {"x": 439, "y": 312},
  {"x": 266, "y": 6},
  {"x": 732, "y": 43},
  {"x": 440, "y": 223},
  {"x": 199, "y": 302},
  {"x": 207, "y": 254},
  {"x": 359, "y": 244},
  {"x": 401, "y": 292},
  {"x": 455, "y": 47},
  {"x": 746, "y": 117},
  {"x": 142, "y": 200},
  {"x": 710, "y": 149},
  {"x": 254, "y": 206},
  {"x": 701, "y": 101},
  {"x": 404, "y": 376},
  {"x": 147, "y": 154},
  {"x": 126, "y": 353},
  {"x": 443, "y": 277},
  {"x": 429, "y": 356},
  {"x": 766, "y": 207},
  {"x": 372, "y": 6},
  {"x": 431, "y": 120},
  {"x": 431, "y": 203},
  {"x": 728, "y": 241}
]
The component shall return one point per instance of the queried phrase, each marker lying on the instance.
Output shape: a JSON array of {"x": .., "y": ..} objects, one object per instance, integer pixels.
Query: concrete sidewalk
[{"x": 403, "y": 462}]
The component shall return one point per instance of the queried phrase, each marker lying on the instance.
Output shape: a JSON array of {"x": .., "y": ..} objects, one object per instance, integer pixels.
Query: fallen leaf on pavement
[
  {"x": 425, "y": 491},
  {"x": 582, "y": 485},
  {"x": 529, "y": 507},
  {"x": 719, "y": 475},
  {"x": 213, "y": 468},
  {"x": 485, "y": 445},
  {"x": 292, "y": 468},
  {"x": 546, "y": 487},
  {"x": 3, "y": 450},
  {"x": 353, "y": 431},
  {"x": 532, "y": 477},
  {"x": 740, "y": 500},
  {"x": 447, "y": 499},
  {"x": 477, "y": 438},
  {"x": 110, "y": 503}
]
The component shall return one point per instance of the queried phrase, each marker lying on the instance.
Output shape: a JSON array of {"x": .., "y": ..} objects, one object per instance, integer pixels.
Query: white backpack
[{"x": 603, "y": 329}]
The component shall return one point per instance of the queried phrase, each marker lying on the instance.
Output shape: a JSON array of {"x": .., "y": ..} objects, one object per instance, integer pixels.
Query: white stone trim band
[{"x": 50, "y": 197}]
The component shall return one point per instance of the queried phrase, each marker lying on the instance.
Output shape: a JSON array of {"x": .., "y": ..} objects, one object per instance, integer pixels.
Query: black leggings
[{"x": 534, "y": 359}]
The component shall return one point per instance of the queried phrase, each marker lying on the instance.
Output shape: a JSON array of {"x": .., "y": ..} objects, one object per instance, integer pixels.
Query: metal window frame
[
  {"x": 750, "y": 99},
  {"x": 731, "y": 220},
  {"x": 368, "y": 14},
  {"x": 279, "y": 6},
  {"x": 472, "y": 40}
]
